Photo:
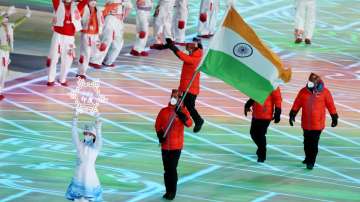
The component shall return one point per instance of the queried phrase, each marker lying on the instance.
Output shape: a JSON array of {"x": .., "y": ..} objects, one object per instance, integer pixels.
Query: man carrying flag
[
  {"x": 190, "y": 78},
  {"x": 237, "y": 56},
  {"x": 173, "y": 143}
]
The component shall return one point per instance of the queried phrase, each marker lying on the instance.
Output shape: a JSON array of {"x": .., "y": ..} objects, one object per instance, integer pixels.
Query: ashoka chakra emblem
[{"x": 242, "y": 50}]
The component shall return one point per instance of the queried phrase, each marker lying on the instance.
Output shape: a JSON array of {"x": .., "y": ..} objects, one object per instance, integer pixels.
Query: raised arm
[
  {"x": 181, "y": 55},
  {"x": 75, "y": 135},
  {"x": 23, "y": 19},
  {"x": 99, "y": 139}
]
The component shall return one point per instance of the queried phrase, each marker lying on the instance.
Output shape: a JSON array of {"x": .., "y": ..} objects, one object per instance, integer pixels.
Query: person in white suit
[
  {"x": 66, "y": 22},
  {"x": 7, "y": 41},
  {"x": 143, "y": 12},
  {"x": 180, "y": 20},
  {"x": 85, "y": 184},
  {"x": 304, "y": 20},
  {"x": 92, "y": 23},
  {"x": 209, "y": 10},
  {"x": 112, "y": 37},
  {"x": 163, "y": 23}
]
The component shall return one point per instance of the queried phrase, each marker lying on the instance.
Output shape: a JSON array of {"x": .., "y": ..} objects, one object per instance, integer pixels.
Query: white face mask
[
  {"x": 67, "y": 1},
  {"x": 173, "y": 101},
  {"x": 310, "y": 84}
]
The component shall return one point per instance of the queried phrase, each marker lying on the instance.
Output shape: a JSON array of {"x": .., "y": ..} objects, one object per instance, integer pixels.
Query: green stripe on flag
[{"x": 223, "y": 66}]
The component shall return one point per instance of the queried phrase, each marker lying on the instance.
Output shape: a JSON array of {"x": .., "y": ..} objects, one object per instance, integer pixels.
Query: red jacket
[
  {"x": 313, "y": 108},
  {"x": 266, "y": 111},
  {"x": 175, "y": 137},
  {"x": 67, "y": 29},
  {"x": 191, "y": 63}
]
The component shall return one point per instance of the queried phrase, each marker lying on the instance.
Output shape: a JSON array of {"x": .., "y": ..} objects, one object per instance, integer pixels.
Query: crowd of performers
[{"x": 102, "y": 38}]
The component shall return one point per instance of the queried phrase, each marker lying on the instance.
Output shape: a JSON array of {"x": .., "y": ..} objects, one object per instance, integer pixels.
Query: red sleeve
[
  {"x": 187, "y": 58},
  {"x": 55, "y": 4},
  {"x": 189, "y": 120},
  {"x": 298, "y": 102},
  {"x": 81, "y": 5},
  {"x": 329, "y": 102},
  {"x": 277, "y": 99},
  {"x": 159, "y": 121}
]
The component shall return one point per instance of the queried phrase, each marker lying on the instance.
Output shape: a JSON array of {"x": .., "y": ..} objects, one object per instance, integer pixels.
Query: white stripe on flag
[{"x": 225, "y": 40}]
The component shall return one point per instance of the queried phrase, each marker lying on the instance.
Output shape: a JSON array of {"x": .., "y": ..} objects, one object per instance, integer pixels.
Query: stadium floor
[{"x": 218, "y": 164}]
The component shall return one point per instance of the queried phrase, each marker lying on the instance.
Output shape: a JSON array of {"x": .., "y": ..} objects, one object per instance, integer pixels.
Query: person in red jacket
[
  {"x": 313, "y": 99},
  {"x": 261, "y": 118},
  {"x": 190, "y": 65},
  {"x": 172, "y": 144},
  {"x": 66, "y": 22}
]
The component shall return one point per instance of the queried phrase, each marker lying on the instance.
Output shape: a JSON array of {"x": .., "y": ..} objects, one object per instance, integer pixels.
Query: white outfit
[
  {"x": 6, "y": 39},
  {"x": 180, "y": 20},
  {"x": 89, "y": 42},
  {"x": 163, "y": 22},
  {"x": 85, "y": 183},
  {"x": 5, "y": 61},
  {"x": 63, "y": 46},
  {"x": 305, "y": 17},
  {"x": 113, "y": 34},
  {"x": 143, "y": 12},
  {"x": 211, "y": 9}
]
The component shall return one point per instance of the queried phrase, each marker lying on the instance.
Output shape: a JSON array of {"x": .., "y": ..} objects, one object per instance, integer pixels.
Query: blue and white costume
[{"x": 85, "y": 185}]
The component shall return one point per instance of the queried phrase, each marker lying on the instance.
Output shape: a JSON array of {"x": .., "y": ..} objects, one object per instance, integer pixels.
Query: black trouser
[
  {"x": 311, "y": 143},
  {"x": 170, "y": 161},
  {"x": 189, "y": 102},
  {"x": 258, "y": 131}
]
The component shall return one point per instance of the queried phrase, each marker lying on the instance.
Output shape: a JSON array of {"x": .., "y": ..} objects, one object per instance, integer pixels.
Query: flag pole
[{"x": 173, "y": 116}]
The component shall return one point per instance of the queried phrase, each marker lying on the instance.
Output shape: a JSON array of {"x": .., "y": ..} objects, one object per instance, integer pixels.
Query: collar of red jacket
[
  {"x": 197, "y": 53},
  {"x": 318, "y": 88},
  {"x": 171, "y": 106}
]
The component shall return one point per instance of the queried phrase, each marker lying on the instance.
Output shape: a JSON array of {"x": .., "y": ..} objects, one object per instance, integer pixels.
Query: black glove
[
  {"x": 160, "y": 135},
  {"x": 169, "y": 41},
  {"x": 181, "y": 115},
  {"x": 334, "y": 120},
  {"x": 248, "y": 105},
  {"x": 171, "y": 45},
  {"x": 277, "y": 115},
  {"x": 292, "y": 117}
]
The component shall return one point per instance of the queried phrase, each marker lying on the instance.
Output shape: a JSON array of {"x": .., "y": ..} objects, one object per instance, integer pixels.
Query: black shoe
[
  {"x": 166, "y": 195},
  {"x": 298, "y": 40},
  {"x": 80, "y": 76},
  {"x": 171, "y": 196},
  {"x": 307, "y": 41},
  {"x": 309, "y": 166},
  {"x": 261, "y": 160},
  {"x": 198, "y": 126}
]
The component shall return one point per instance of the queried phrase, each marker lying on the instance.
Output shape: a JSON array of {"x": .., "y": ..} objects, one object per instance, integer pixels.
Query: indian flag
[{"x": 237, "y": 56}]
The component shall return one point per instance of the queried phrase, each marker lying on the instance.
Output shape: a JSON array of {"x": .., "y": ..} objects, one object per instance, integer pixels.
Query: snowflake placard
[{"x": 87, "y": 96}]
